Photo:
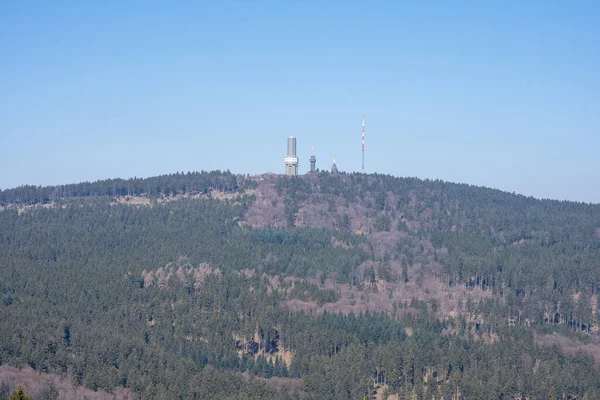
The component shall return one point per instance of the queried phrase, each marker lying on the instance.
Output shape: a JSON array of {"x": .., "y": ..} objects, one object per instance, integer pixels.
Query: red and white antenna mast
[{"x": 363, "y": 143}]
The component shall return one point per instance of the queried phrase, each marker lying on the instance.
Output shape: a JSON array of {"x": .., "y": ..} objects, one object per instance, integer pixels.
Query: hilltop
[{"x": 425, "y": 286}]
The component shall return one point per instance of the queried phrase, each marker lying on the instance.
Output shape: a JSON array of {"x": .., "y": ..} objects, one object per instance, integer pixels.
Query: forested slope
[
  {"x": 163, "y": 185},
  {"x": 335, "y": 284},
  {"x": 542, "y": 257}
]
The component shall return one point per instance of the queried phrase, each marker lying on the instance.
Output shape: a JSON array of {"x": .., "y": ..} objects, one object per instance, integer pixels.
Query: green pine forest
[{"x": 181, "y": 286}]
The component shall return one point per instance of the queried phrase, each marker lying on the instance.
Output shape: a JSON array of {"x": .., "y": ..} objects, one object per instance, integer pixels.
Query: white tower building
[{"x": 291, "y": 161}]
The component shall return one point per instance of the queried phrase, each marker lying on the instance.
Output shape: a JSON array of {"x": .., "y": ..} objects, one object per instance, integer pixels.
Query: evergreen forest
[{"x": 211, "y": 285}]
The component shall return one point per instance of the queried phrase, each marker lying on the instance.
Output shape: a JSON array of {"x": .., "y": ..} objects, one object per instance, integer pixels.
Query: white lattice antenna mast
[{"x": 363, "y": 143}]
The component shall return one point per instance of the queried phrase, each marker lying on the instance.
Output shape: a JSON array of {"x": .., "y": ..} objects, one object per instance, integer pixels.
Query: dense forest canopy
[
  {"x": 341, "y": 286},
  {"x": 166, "y": 185}
]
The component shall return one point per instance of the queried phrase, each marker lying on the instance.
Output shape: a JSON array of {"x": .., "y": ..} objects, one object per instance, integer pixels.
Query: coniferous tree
[{"x": 20, "y": 394}]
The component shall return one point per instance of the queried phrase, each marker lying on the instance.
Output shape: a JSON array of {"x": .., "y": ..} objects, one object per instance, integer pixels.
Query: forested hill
[
  {"x": 541, "y": 257},
  {"x": 163, "y": 185},
  {"x": 323, "y": 286}
]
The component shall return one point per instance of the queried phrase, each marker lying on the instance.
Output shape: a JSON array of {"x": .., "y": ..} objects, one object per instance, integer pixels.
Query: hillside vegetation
[{"x": 325, "y": 286}]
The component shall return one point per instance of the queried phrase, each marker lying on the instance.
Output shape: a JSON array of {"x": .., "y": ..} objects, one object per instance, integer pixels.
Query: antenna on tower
[{"x": 363, "y": 143}]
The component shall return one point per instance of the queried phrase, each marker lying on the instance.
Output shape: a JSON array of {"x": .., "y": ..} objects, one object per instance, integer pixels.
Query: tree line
[{"x": 162, "y": 185}]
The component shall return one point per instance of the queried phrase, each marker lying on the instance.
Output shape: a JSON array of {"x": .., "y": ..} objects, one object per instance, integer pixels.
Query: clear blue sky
[{"x": 504, "y": 96}]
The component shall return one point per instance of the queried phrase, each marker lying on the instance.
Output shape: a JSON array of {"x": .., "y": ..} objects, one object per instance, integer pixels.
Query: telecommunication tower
[
  {"x": 291, "y": 161},
  {"x": 334, "y": 168},
  {"x": 363, "y": 143},
  {"x": 313, "y": 160}
]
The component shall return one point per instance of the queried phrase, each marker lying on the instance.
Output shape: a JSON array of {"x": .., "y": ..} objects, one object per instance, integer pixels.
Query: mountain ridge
[{"x": 130, "y": 186}]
